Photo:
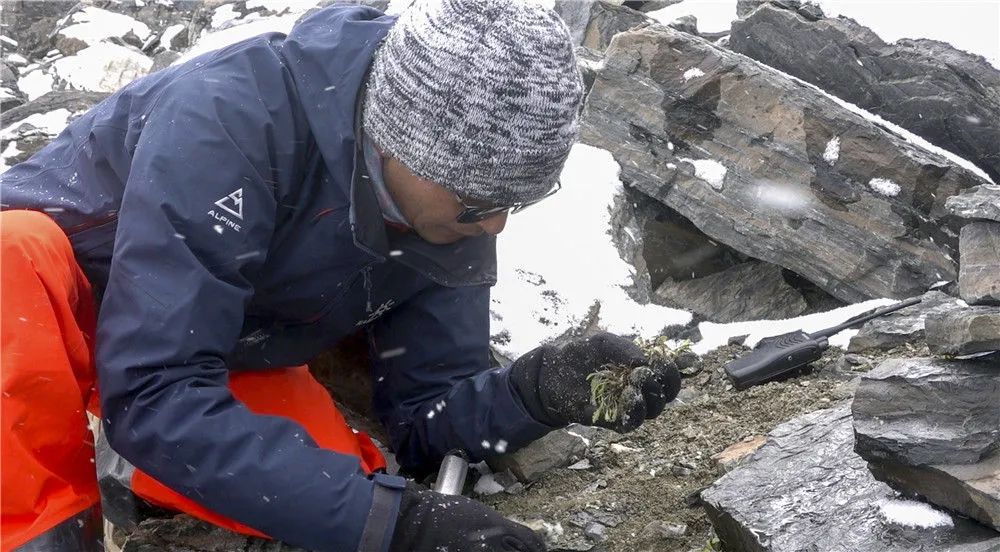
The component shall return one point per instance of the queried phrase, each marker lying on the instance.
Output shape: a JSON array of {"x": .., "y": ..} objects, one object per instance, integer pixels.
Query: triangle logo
[{"x": 233, "y": 203}]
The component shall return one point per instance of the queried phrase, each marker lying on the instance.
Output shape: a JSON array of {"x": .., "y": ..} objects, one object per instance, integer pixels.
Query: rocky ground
[{"x": 640, "y": 491}]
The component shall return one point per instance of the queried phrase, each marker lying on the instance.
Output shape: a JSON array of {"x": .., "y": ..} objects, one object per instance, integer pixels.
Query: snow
[
  {"x": 51, "y": 123},
  {"x": 281, "y": 6},
  {"x": 709, "y": 170},
  {"x": 220, "y": 39},
  {"x": 884, "y": 186},
  {"x": 715, "y": 335},
  {"x": 913, "y": 514},
  {"x": 557, "y": 260},
  {"x": 713, "y": 15},
  {"x": 103, "y": 67},
  {"x": 693, "y": 72},
  {"x": 17, "y": 59},
  {"x": 35, "y": 84},
  {"x": 789, "y": 198},
  {"x": 223, "y": 14},
  {"x": 171, "y": 32},
  {"x": 10, "y": 151},
  {"x": 93, "y": 25},
  {"x": 832, "y": 153},
  {"x": 8, "y": 41}
]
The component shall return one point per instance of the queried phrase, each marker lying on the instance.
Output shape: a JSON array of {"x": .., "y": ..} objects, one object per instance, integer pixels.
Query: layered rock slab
[
  {"x": 979, "y": 275},
  {"x": 774, "y": 167},
  {"x": 964, "y": 331},
  {"x": 805, "y": 489}
]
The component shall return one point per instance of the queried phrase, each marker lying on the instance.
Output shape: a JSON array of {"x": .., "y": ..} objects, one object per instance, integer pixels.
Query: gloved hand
[
  {"x": 552, "y": 382},
  {"x": 432, "y": 521}
]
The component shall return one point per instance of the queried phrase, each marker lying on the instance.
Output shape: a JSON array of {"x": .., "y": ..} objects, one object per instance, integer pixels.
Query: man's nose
[{"x": 494, "y": 225}]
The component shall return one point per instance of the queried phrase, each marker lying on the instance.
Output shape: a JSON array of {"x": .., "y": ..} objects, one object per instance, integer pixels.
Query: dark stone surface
[
  {"x": 979, "y": 275},
  {"x": 964, "y": 331},
  {"x": 186, "y": 534},
  {"x": 31, "y": 140},
  {"x": 945, "y": 95},
  {"x": 903, "y": 326},
  {"x": 931, "y": 428},
  {"x": 607, "y": 20},
  {"x": 980, "y": 202},
  {"x": 805, "y": 489},
  {"x": 749, "y": 291},
  {"x": 779, "y": 201}
]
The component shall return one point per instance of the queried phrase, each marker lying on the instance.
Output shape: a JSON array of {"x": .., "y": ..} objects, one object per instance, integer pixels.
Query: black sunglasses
[{"x": 472, "y": 213}]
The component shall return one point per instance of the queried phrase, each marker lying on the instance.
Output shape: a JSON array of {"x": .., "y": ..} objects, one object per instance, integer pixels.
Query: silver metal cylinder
[{"x": 451, "y": 476}]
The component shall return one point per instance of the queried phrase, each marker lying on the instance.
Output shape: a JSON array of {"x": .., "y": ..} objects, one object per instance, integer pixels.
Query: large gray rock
[
  {"x": 806, "y": 490},
  {"x": 945, "y": 95},
  {"x": 964, "y": 331},
  {"x": 979, "y": 277},
  {"x": 576, "y": 15},
  {"x": 557, "y": 449},
  {"x": 932, "y": 427},
  {"x": 980, "y": 202},
  {"x": 28, "y": 139},
  {"x": 773, "y": 168},
  {"x": 607, "y": 20},
  {"x": 750, "y": 291},
  {"x": 903, "y": 326}
]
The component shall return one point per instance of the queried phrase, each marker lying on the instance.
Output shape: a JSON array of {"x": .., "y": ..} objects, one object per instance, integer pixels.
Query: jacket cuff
[
  {"x": 377, "y": 535},
  {"x": 524, "y": 377}
]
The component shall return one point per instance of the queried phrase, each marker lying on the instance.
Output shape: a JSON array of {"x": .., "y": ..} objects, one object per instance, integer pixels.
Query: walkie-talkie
[{"x": 776, "y": 356}]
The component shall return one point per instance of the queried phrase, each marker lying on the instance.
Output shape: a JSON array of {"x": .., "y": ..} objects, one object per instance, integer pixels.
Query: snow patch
[
  {"x": 789, "y": 198},
  {"x": 715, "y": 335},
  {"x": 692, "y": 73},
  {"x": 557, "y": 260},
  {"x": 224, "y": 14},
  {"x": 103, "y": 67},
  {"x": 8, "y": 41},
  {"x": 713, "y": 15},
  {"x": 51, "y": 123},
  {"x": 220, "y": 39},
  {"x": 281, "y": 6},
  {"x": 92, "y": 25},
  {"x": 35, "y": 84},
  {"x": 9, "y": 152},
  {"x": 169, "y": 34},
  {"x": 884, "y": 186},
  {"x": 16, "y": 59},
  {"x": 832, "y": 153},
  {"x": 709, "y": 170},
  {"x": 913, "y": 514}
]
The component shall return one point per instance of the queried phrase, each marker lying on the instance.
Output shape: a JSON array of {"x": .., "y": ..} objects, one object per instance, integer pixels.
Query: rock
[
  {"x": 945, "y": 95},
  {"x": 932, "y": 427},
  {"x": 687, "y": 24},
  {"x": 738, "y": 149},
  {"x": 903, "y": 326},
  {"x": 182, "y": 533},
  {"x": 594, "y": 531},
  {"x": 487, "y": 485},
  {"x": 805, "y": 489},
  {"x": 555, "y": 450},
  {"x": 10, "y": 95},
  {"x": 964, "y": 332},
  {"x": 33, "y": 24},
  {"x": 979, "y": 276},
  {"x": 34, "y": 124},
  {"x": 735, "y": 454},
  {"x": 978, "y": 202},
  {"x": 607, "y": 20},
  {"x": 576, "y": 15},
  {"x": 664, "y": 530},
  {"x": 103, "y": 67},
  {"x": 750, "y": 291}
]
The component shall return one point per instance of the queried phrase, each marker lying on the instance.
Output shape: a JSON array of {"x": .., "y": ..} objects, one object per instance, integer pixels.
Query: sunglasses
[{"x": 473, "y": 211}]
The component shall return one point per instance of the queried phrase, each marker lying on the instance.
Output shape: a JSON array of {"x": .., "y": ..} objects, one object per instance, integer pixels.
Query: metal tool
[
  {"x": 776, "y": 356},
  {"x": 451, "y": 476}
]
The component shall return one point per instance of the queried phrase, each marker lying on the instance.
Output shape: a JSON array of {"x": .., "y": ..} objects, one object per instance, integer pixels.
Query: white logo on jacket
[{"x": 232, "y": 204}]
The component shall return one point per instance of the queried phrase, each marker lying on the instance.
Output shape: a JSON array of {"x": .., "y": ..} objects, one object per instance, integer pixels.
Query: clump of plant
[{"x": 608, "y": 385}]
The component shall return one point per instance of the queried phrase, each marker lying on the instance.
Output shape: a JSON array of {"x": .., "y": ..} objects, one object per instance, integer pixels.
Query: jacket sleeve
[
  {"x": 173, "y": 308},
  {"x": 434, "y": 388}
]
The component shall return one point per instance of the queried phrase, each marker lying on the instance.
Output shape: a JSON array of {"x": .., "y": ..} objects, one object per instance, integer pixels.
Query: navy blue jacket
[{"x": 220, "y": 209}]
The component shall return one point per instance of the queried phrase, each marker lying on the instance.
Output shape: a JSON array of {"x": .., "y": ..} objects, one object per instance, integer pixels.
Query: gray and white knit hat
[{"x": 479, "y": 96}]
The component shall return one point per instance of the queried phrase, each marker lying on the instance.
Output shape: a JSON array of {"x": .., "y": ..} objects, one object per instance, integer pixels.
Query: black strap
[{"x": 383, "y": 513}]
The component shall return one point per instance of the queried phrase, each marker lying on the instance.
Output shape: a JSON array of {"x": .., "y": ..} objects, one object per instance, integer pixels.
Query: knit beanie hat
[{"x": 478, "y": 96}]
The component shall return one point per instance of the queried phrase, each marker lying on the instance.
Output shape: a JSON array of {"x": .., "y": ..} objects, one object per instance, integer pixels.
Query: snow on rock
[
  {"x": 35, "y": 84},
  {"x": 223, "y": 14},
  {"x": 913, "y": 514},
  {"x": 280, "y": 6},
  {"x": 10, "y": 151},
  {"x": 103, "y": 67},
  {"x": 692, "y": 73},
  {"x": 16, "y": 59},
  {"x": 709, "y": 170},
  {"x": 170, "y": 33},
  {"x": 557, "y": 260},
  {"x": 832, "y": 153},
  {"x": 51, "y": 123},
  {"x": 716, "y": 335},
  {"x": 713, "y": 15},
  {"x": 884, "y": 186},
  {"x": 93, "y": 25}
]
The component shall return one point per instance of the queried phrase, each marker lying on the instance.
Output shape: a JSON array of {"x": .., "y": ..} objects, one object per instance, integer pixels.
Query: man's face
[{"x": 431, "y": 209}]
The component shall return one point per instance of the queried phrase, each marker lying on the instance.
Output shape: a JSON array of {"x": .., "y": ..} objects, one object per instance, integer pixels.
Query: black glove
[
  {"x": 432, "y": 521},
  {"x": 552, "y": 382}
]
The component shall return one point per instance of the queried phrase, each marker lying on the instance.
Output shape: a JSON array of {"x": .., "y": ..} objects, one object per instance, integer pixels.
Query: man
[{"x": 229, "y": 218}]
